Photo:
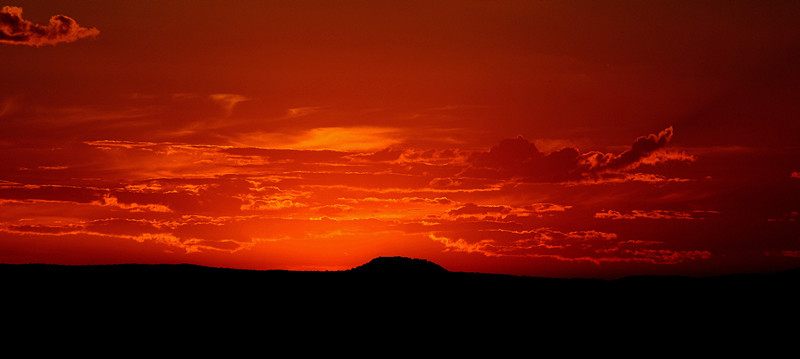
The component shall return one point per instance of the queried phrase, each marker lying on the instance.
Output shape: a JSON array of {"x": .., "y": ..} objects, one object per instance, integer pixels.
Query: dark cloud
[
  {"x": 508, "y": 153},
  {"x": 521, "y": 158},
  {"x": 18, "y": 31},
  {"x": 50, "y": 193},
  {"x": 641, "y": 148}
]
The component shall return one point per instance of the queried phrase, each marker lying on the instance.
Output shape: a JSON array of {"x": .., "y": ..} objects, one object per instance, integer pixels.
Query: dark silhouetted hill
[
  {"x": 400, "y": 266},
  {"x": 386, "y": 289},
  {"x": 386, "y": 270}
]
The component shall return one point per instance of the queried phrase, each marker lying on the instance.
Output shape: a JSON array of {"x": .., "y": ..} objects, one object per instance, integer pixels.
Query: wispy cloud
[
  {"x": 301, "y": 111},
  {"x": 6, "y": 106},
  {"x": 227, "y": 100},
  {"x": 358, "y": 138},
  {"x": 635, "y": 214},
  {"x": 577, "y": 246}
]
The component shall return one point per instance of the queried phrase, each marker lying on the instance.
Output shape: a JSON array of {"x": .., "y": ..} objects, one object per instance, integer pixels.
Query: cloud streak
[
  {"x": 656, "y": 214},
  {"x": 576, "y": 246},
  {"x": 17, "y": 31}
]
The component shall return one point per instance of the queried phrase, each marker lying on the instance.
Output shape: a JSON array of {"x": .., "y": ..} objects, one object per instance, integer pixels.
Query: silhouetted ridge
[{"x": 399, "y": 266}]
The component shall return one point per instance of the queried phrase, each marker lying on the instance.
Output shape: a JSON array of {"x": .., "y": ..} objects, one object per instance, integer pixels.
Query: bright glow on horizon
[{"x": 538, "y": 138}]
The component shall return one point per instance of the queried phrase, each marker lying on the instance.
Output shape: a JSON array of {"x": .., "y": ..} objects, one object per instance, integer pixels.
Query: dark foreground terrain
[
  {"x": 385, "y": 279},
  {"x": 392, "y": 290}
]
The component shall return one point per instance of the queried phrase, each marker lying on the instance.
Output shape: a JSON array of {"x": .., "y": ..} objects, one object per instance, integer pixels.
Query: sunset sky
[{"x": 544, "y": 138}]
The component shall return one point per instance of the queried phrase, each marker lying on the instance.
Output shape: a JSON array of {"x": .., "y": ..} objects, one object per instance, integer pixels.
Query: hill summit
[{"x": 399, "y": 266}]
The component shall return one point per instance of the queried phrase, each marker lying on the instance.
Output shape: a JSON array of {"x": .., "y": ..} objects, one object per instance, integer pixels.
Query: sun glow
[
  {"x": 361, "y": 138},
  {"x": 559, "y": 138}
]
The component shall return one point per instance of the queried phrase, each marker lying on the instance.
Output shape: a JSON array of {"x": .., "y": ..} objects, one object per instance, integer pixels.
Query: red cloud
[
  {"x": 519, "y": 157},
  {"x": 18, "y": 31},
  {"x": 641, "y": 148},
  {"x": 656, "y": 214},
  {"x": 473, "y": 209},
  {"x": 587, "y": 246}
]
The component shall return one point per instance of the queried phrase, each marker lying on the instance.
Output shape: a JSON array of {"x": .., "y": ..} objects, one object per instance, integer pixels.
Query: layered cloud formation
[
  {"x": 311, "y": 135},
  {"x": 510, "y": 202},
  {"x": 17, "y": 31}
]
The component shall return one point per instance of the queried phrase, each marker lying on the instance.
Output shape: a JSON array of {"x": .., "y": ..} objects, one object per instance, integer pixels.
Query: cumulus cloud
[
  {"x": 17, "y": 31},
  {"x": 641, "y": 148},
  {"x": 519, "y": 157}
]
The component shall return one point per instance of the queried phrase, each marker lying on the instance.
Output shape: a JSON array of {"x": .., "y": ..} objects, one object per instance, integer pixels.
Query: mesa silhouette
[
  {"x": 389, "y": 285},
  {"x": 379, "y": 273},
  {"x": 400, "y": 266}
]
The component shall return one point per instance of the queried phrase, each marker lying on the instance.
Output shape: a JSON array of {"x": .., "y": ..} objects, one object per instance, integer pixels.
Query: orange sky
[{"x": 555, "y": 138}]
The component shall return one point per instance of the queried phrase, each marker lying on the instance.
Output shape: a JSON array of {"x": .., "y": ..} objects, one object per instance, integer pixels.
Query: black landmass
[
  {"x": 388, "y": 289},
  {"x": 401, "y": 274},
  {"x": 382, "y": 273}
]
